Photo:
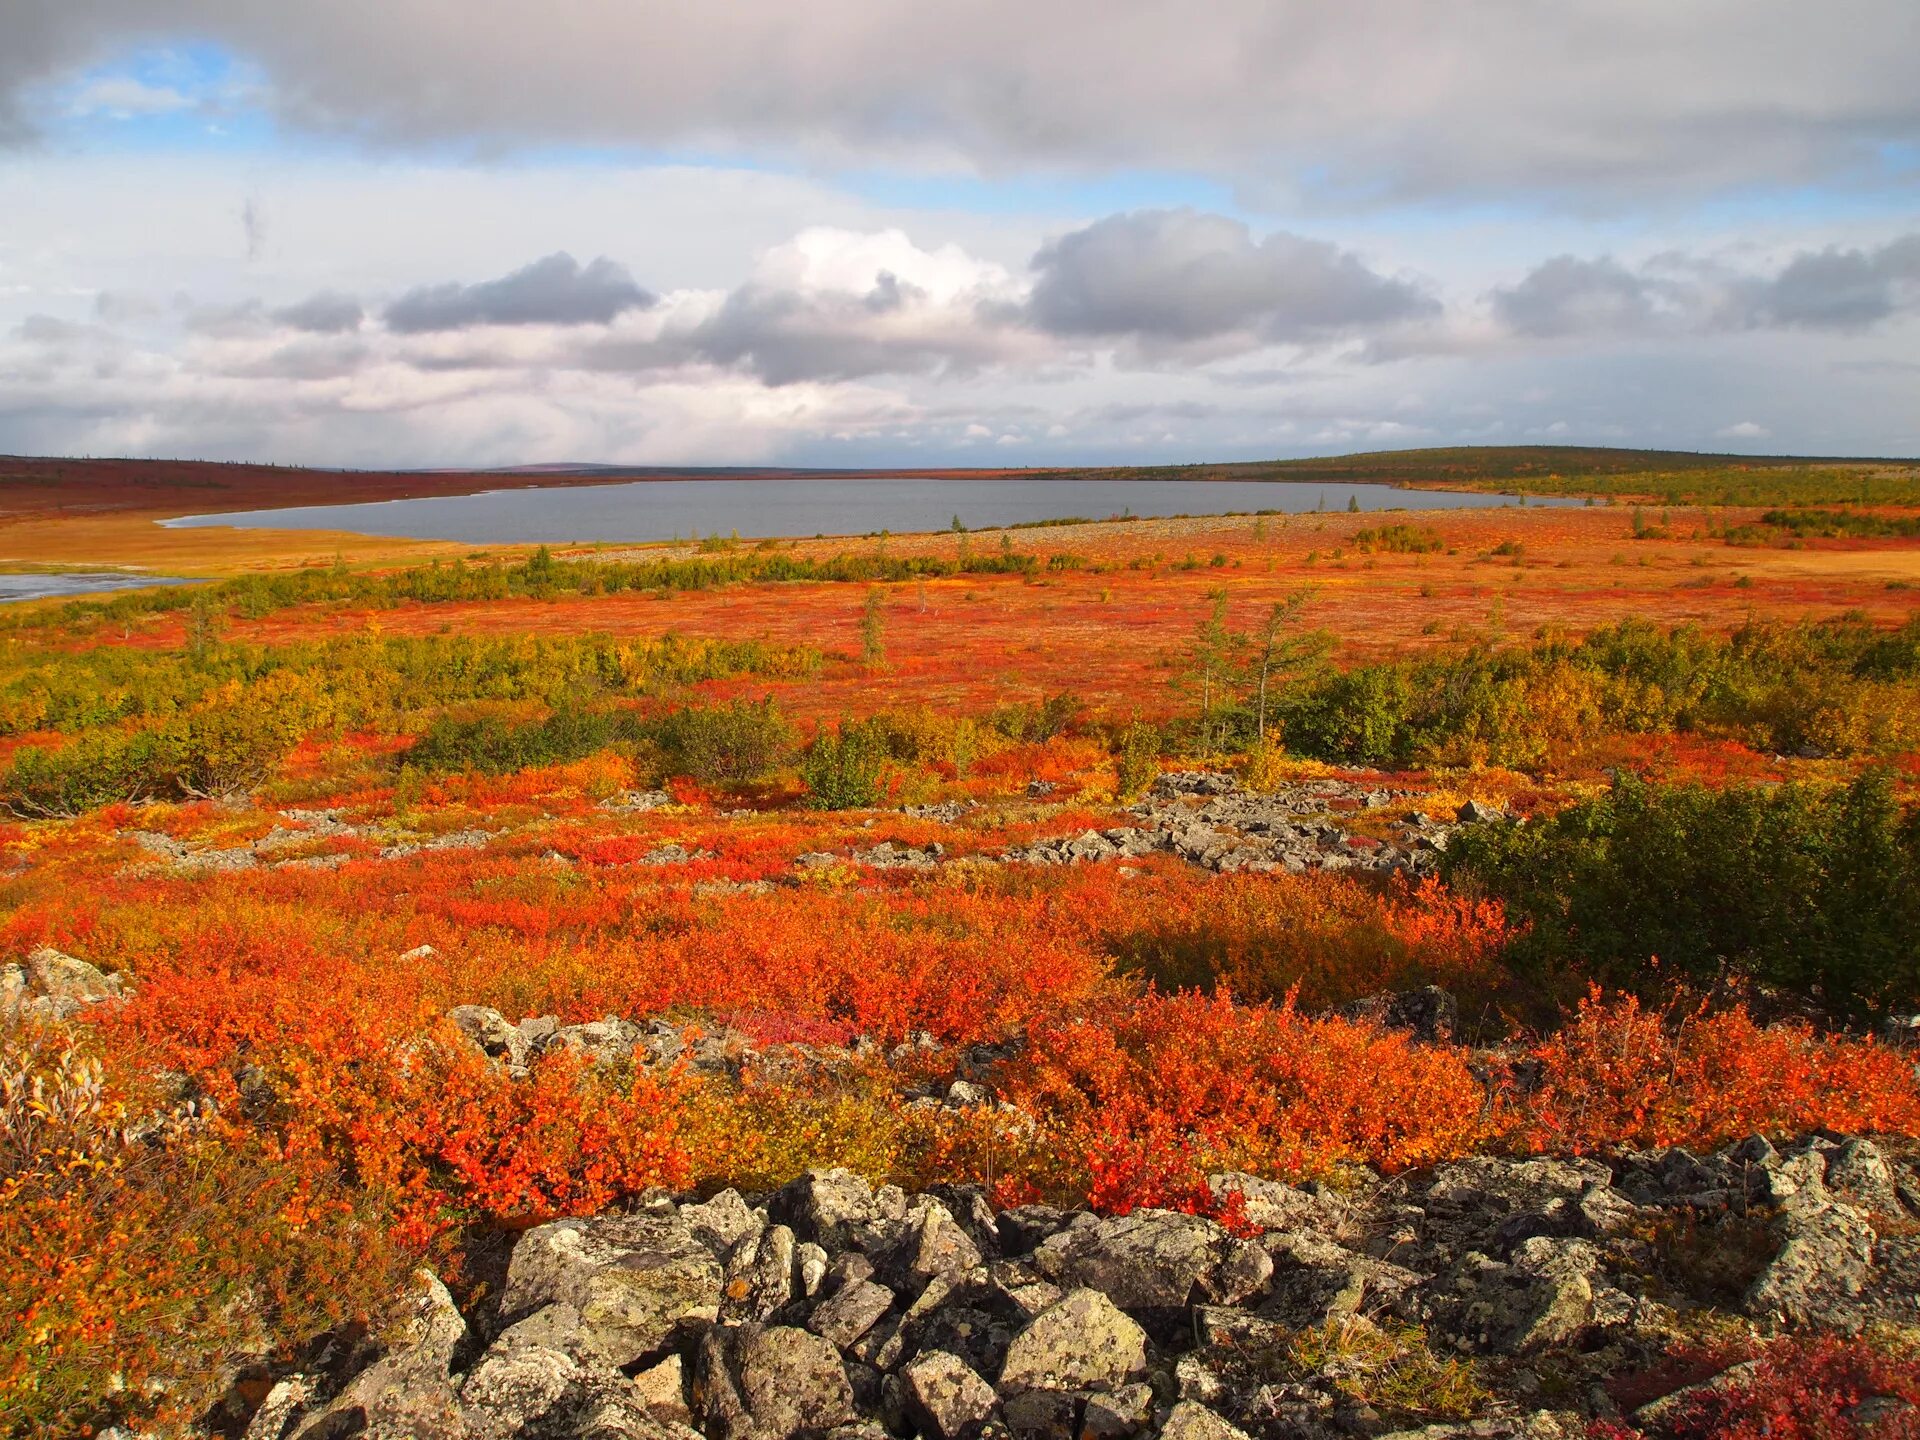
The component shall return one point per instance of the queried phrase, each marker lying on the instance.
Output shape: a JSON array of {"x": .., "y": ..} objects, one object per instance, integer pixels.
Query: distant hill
[{"x": 32, "y": 486}]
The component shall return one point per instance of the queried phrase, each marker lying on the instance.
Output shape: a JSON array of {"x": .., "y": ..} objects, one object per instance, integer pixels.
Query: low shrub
[
  {"x": 494, "y": 744},
  {"x": 1813, "y": 891},
  {"x": 842, "y": 769},
  {"x": 735, "y": 742},
  {"x": 132, "y": 1269}
]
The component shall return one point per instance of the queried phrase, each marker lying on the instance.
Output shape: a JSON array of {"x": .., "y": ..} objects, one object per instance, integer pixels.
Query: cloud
[
  {"x": 1581, "y": 101},
  {"x": 834, "y": 304},
  {"x": 122, "y": 97},
  {"x": 1743, "y": 430},
  {"x": 1567, "y": 296},
  {"x": 554, "y": 291},
  {"x": 1178, "y": 276},
  {"x": 1831, "y": 289},
  {"x": 327, "y": 313},
  {"x": 253, "y": 227},
  {"x": 1836, "y": 289}
]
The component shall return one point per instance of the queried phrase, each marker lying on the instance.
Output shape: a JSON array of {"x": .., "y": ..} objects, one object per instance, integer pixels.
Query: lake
[
  {"x": 40, "y": 587},
  {"x": 681, "y": 509}
]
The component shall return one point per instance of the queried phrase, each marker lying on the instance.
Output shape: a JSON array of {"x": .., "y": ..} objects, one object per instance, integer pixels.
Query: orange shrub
[
  {"x": 1617, "y": 1074},
  {"x": 1148, "y": 1093}
]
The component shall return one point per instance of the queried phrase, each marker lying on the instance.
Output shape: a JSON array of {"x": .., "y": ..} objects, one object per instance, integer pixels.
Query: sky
[{"x": 373, "y": 233}]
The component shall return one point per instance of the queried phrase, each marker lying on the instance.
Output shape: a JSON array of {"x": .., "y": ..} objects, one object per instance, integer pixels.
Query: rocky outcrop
[
  {"x": 1209, "y": 820},
  {"x": 834, "y": 1309},
  {"x": 52, "y": 985}
]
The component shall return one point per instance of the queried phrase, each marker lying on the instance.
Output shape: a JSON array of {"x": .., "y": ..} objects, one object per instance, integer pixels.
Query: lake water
[
  {"x": 680, "y": 509},
  {"x": 40, "y": 587}
]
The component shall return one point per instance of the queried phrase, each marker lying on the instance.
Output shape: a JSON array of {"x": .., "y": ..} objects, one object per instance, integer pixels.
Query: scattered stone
[
  {"x": 944, "y": 1397},
  {"x": 1429, "y": 1014},
  {"x": 489, "y": 1031},
  {"x": 758, "y": 1382},
  {"x": 631, "y": 1278},
  {"x": 851, "y": 1312},
  {"x": 1083, "y": 1342},
  {"x": 53, "y": 985},
  {"x": 1191, "y": 1420},
  {"x": 1148, "y": 1260},
  {"x": 839, "y": 1312}
]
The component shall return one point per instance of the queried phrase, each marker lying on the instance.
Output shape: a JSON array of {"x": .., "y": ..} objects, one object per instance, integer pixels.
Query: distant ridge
[{"x": 51, "y": 486}]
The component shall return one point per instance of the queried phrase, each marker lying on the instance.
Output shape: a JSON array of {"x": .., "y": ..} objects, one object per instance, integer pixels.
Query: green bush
[
  {"x": 1359, "y": 716},
  {"x": 494, "y": 745},
  {"x": 1399, "y": 539},
  {"x": 89, "y": 772},
  {"x": 1039, "y": 721},
  {"x": 1814, "y": 892},
  {"x": 1137, "y": 758},
  {"x": 843, "y": 767},
  {"x": 735, "y": 743}
]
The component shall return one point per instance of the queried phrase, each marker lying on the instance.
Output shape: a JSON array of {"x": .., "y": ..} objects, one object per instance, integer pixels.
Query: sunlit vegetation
[{"x": 304, "y": 815}]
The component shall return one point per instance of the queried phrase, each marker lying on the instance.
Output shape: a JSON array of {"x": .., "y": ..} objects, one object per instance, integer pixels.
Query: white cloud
[
  {"x": 122, "y": 97},
  {"x": 1744, "y": 430}
]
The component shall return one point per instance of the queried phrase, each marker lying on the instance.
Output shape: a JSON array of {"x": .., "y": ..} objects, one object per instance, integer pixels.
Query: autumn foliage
[{"x": 308, "y": 822}]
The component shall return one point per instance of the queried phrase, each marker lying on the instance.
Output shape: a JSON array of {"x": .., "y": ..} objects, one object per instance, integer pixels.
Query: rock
[
  {"x": 604, "y": 1042},
  {"x": 491, "y": 1034},
  {"x": 932, "y": 1245},
  {"x": 1149, "y": 1259},
  {"x": 757, "y": 1382},
  {"x": 662, "y": 1391},
  {"x": 944, "y": 1397},
  {"x": 408, "y": 1391},
  {"x": 828, "y": 1207},
  {"x": 722, "y": 1221},
  {"x": 1118, "y": 1414},
  {"x": 56, "y": 986},
  {"x": 1824, "y": 1260},
  {"x": 1858, "y": 1173},
  {"x": 759, "y": 1276},
  {"x": 631, "y": 1278},
  {"x": 1191, "y": 1420},
  {"x": 1476, "y": 812},
  {"x": 1429, "y": 1014},
  {"x": 850, "y": 1312},
  {"x": 1083, "y": 1342},
  {"x": 521, "y": 1390},
  {"x": 1275, "y": 1205}
]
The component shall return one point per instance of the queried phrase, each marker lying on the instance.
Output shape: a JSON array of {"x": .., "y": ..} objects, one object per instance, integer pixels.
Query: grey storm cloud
[
  {"x": 1580, "y": 100},
  {"x": 1834, "y": 289},
  {"x": 1568, "y": 295},
  {"x": 1837, "y": 289},
  {"x": 327, "y": 313},
  {"x": 1179, "y": 276},
  {"x": 557, "y": 290}
]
